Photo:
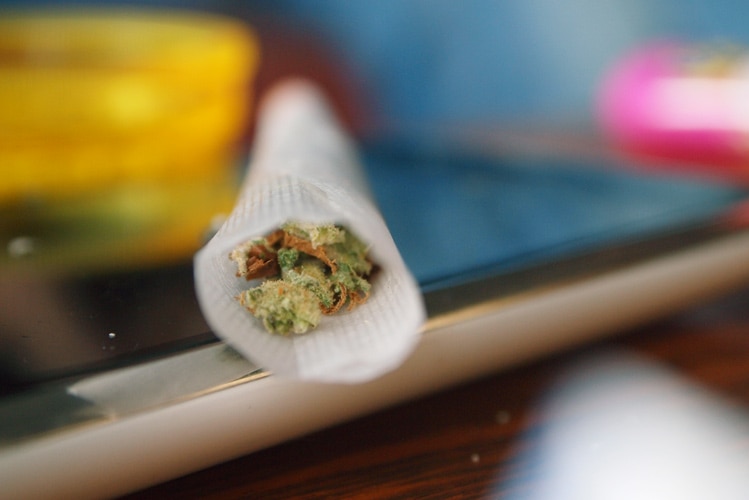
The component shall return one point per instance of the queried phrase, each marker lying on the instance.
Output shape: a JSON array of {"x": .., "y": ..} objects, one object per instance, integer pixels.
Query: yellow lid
[
  {"x": 201, "y": 45},
  {"x": 92, "y": 97},
  {"x": 112, "y": 71}
]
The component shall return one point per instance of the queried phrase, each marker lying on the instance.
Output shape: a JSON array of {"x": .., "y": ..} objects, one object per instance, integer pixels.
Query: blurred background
[
  {"x": 125, "y": 128},
  {"x": 478, "y": 59},
  {"x": 492, "y": 60},
  {"x": 530, "y": 64}
]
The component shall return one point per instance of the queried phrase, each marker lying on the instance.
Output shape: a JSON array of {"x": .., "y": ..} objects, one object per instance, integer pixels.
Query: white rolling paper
[{"x": 305, "y": 168}]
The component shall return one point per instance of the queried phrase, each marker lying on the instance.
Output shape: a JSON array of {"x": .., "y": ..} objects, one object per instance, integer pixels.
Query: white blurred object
[
  {"x": 627, "y": 429},
  {"x": 304, "y": 168}
]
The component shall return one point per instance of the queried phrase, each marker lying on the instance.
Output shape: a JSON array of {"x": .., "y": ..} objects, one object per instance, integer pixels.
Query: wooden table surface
[{"x": 470, "y": 442}]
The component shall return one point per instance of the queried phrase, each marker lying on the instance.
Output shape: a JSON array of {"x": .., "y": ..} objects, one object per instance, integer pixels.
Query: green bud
[
  {"x": 287, "y": 257},
  {"x": 316, "y": 277},
  {"x": 284, "y": 308}
]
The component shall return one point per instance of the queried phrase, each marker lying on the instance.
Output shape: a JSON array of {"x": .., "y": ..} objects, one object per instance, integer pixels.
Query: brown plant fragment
[
  {"x": 356, "y": 299},
  {"x": 260, "y": 264},
  {"x": 342, "y": 296},
  {"x": 291, "y": 241},
  {"x": 258, "y": 259}
]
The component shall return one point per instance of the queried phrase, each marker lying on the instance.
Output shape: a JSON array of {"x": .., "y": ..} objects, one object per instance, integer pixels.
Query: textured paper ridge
[{"x": 305, "y": 168}]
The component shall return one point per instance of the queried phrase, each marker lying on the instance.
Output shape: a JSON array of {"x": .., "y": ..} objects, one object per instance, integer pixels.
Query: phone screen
[{"x": 455, "y": 216}]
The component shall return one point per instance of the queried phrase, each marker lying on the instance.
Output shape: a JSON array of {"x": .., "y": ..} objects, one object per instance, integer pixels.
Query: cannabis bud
[{"x": 309, "y": 270}]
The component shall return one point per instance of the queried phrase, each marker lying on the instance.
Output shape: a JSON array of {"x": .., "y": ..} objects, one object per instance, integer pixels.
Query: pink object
[{"x": 685, "y": 104}]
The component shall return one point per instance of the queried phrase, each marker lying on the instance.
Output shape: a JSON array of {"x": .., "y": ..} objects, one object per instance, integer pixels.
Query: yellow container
[{"x": 130, "y": 118}]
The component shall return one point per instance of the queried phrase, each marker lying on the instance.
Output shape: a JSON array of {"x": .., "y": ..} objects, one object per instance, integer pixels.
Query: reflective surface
[
  {"x": 461, "y": 222},
  {"x": 456, "y": 216}
]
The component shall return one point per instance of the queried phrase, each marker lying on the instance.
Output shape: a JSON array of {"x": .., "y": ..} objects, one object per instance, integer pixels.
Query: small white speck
[
  {"x": 111, "y": 335},
  {"x": 21, "y": 246},
  {"x": 475, "y": 458}
]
